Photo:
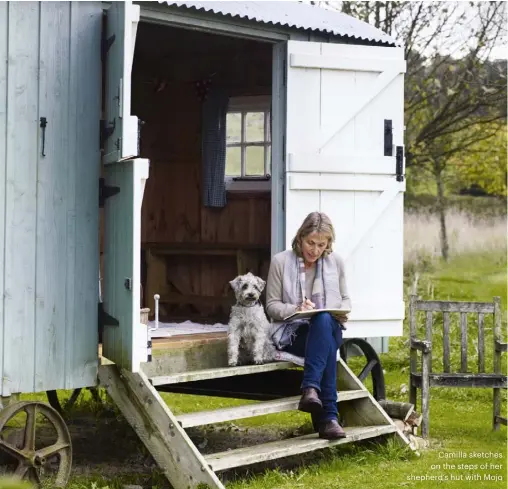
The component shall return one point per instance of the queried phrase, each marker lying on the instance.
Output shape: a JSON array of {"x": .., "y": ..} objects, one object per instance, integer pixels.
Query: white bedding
[{"x": 166, "y": 330}]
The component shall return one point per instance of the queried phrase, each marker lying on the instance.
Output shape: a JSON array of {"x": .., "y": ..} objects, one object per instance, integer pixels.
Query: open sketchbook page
[{"x": 312, "y": 312}]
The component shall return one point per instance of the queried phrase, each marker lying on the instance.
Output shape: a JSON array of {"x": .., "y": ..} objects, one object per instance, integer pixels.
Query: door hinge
[
  {"x": 106, "y": 131},
  {"x": 388, "y": 146},
  {"x": 399, "y": 166},
  {"x": 105, "y": 319},
  {"x": 283, "y": 200},
  {"x": 106, "y": 191},
  {"x": 140, "y": 126},
  {"x": 106, "y": 46}
]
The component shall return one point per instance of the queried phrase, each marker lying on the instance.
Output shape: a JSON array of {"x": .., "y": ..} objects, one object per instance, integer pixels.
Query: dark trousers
[{"x": 318, "y": 343}]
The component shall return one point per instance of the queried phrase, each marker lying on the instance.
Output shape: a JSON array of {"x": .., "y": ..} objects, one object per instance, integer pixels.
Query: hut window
[{"x": 248, "y": 140}]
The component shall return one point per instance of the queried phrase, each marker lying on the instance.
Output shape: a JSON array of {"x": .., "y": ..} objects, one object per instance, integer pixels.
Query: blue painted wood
[
  {"x": 52, "y": 197},
  {"x": 122, "y": 22},
  {"x": 3, "y": 145},
  {"x": 49, "y": 67},
  {"x": 83, "y": 251},
  {"x": 124, "y": 344},
  {"x": 21, "y": 197}
]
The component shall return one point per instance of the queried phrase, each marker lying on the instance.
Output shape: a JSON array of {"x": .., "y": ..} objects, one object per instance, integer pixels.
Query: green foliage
[
  {"x": 11, "y": 483},
  {"x": 483, "y": 165}
]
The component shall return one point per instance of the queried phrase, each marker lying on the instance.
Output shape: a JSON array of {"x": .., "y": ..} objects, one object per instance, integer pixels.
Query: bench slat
[
  {"x": 481, "y": 343},
  {"x": 491, "y": 381},
  {"x": 446, "y": 342},
  {"x": 428, "y": 326},
  {"x": 443, "y": 306},
  {"x": 463, "y": 342}
]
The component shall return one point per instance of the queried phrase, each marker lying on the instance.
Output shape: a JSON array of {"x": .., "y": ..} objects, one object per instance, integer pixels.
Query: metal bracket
[
  {"x": 399, "y": 158},
  {"x": 105, "y": 319},
  {"x": 388, "y": 139},
  {"x": 106, "y": 191}
]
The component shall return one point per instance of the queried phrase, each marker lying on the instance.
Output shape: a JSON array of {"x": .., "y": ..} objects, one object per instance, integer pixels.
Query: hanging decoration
[{"x": 203, "y": 87}]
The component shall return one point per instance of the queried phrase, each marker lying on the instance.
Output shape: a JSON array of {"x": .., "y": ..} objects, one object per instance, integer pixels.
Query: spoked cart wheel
[
  {"x": 372, "y": 364},
  {"x": 35, "y": 444}
]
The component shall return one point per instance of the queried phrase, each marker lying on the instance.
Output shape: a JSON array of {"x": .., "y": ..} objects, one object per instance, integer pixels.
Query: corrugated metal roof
[{"x": 293, "y": 14}]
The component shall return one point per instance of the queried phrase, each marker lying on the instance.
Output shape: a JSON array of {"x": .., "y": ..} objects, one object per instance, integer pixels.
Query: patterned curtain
[{"x": 214, "y": 148}]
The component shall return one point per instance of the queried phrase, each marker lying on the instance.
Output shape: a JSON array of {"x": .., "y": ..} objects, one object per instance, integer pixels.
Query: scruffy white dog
[{"x": 248, "y": 324}]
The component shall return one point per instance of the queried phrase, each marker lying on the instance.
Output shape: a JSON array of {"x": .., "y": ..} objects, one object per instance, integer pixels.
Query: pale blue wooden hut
[{"x": 66, "y": 121}]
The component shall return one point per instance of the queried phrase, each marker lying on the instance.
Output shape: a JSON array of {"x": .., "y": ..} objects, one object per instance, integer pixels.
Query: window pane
[
  {"x": 255, "y": 160},
  {"x": 234, "y": 128},
  {"x": 255, "y": 127},
  {"x": 269, "y": 169},
  {"x": 233, "y": 162}
]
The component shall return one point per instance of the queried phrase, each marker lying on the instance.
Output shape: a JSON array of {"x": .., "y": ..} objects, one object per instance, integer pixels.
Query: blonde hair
[{"x": 317, "y": 222}]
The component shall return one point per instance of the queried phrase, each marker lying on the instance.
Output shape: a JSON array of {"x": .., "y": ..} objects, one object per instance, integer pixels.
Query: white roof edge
[{"x": 295, "y": 15}]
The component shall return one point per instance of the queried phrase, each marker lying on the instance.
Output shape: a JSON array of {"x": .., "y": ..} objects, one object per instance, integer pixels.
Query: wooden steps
[
  {"x": 203, "y": 418},
  {"x": 217, "y": 373},
  {"x": 291, "y": 446},
  {"x": 185, "y": 467}
]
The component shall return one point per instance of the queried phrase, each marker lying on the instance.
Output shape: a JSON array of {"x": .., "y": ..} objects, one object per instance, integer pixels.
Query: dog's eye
[{"x": 244, "y": 286}]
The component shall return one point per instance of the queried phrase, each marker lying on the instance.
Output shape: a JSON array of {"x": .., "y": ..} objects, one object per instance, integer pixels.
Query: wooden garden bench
[{"x": 426, "y": 378}]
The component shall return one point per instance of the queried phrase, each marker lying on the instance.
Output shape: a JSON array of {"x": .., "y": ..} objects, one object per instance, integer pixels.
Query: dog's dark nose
[{"x": 250, "y": 295}]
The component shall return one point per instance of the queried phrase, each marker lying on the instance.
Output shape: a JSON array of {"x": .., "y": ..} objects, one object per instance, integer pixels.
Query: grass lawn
[{"x": 460, "y": 421}]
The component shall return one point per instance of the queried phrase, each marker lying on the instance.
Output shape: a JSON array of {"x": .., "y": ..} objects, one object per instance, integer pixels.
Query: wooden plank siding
[
  {"x": 49, "y": 67},
  {"x": 4, "y": 36}
]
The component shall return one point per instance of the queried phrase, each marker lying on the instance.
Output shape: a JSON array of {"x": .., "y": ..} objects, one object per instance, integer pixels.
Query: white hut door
[
  {"x": 342, "y": 159},
  {"x": 125, "y": 177}
]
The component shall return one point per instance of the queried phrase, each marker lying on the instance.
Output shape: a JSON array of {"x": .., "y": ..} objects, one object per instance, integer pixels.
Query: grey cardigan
[{"x": 277, "y": 309}]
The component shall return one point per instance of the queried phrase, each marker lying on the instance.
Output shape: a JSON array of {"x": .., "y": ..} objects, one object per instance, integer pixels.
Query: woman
[{"x": 311, "y": 276}]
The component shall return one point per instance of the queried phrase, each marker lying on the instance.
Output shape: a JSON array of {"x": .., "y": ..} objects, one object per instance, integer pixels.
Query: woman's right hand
[{"x": 307, "y": 305}]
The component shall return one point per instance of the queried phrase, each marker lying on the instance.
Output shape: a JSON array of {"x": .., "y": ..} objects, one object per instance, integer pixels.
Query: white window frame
[{"x": 256, "y": 103}]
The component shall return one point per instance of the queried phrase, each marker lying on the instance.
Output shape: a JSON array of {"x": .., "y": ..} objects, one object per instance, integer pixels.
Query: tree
[{"x": 452, "y": 86}]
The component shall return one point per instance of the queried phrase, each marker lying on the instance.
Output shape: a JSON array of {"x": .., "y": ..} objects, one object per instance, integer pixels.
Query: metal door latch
[
  {"x": 44, "y": 123},
  {"x": 399, "y": 160}
]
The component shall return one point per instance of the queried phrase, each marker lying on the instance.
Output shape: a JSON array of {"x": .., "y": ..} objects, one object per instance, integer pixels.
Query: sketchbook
[{"x": 312, "y": 312}]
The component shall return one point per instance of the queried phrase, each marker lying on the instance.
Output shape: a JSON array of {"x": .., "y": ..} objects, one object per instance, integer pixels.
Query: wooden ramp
[{"x": 165, "y": 437}]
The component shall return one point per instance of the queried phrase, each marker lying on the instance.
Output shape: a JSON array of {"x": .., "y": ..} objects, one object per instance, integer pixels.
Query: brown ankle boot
[
  {"x": 331, "y": 430},
  {"x": 310, "y": 402}
]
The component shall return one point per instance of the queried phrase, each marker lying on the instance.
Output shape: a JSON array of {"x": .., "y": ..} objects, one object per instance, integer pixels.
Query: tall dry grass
[{"x": 466, "y": 234}]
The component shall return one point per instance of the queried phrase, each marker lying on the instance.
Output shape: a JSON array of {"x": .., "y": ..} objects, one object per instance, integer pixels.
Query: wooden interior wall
[{"x": 167, "y": 65}]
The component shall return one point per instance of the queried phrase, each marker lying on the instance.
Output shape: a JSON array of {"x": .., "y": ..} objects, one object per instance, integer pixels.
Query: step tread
[
  {"x": 291, "y": 446},
  {"x": 216, "y": 373},
  {"x": 202, "y": 418}
]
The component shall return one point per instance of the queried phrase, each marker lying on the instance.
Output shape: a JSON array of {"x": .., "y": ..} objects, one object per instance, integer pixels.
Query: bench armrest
[{"x": 423, "y": 345}]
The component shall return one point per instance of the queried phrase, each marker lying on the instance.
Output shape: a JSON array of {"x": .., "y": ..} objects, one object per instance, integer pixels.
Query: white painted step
[
  {"x": 202, "y": 418},
  {"x": 292, "y": 446},
  {"x": 216, "y": 373}
]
